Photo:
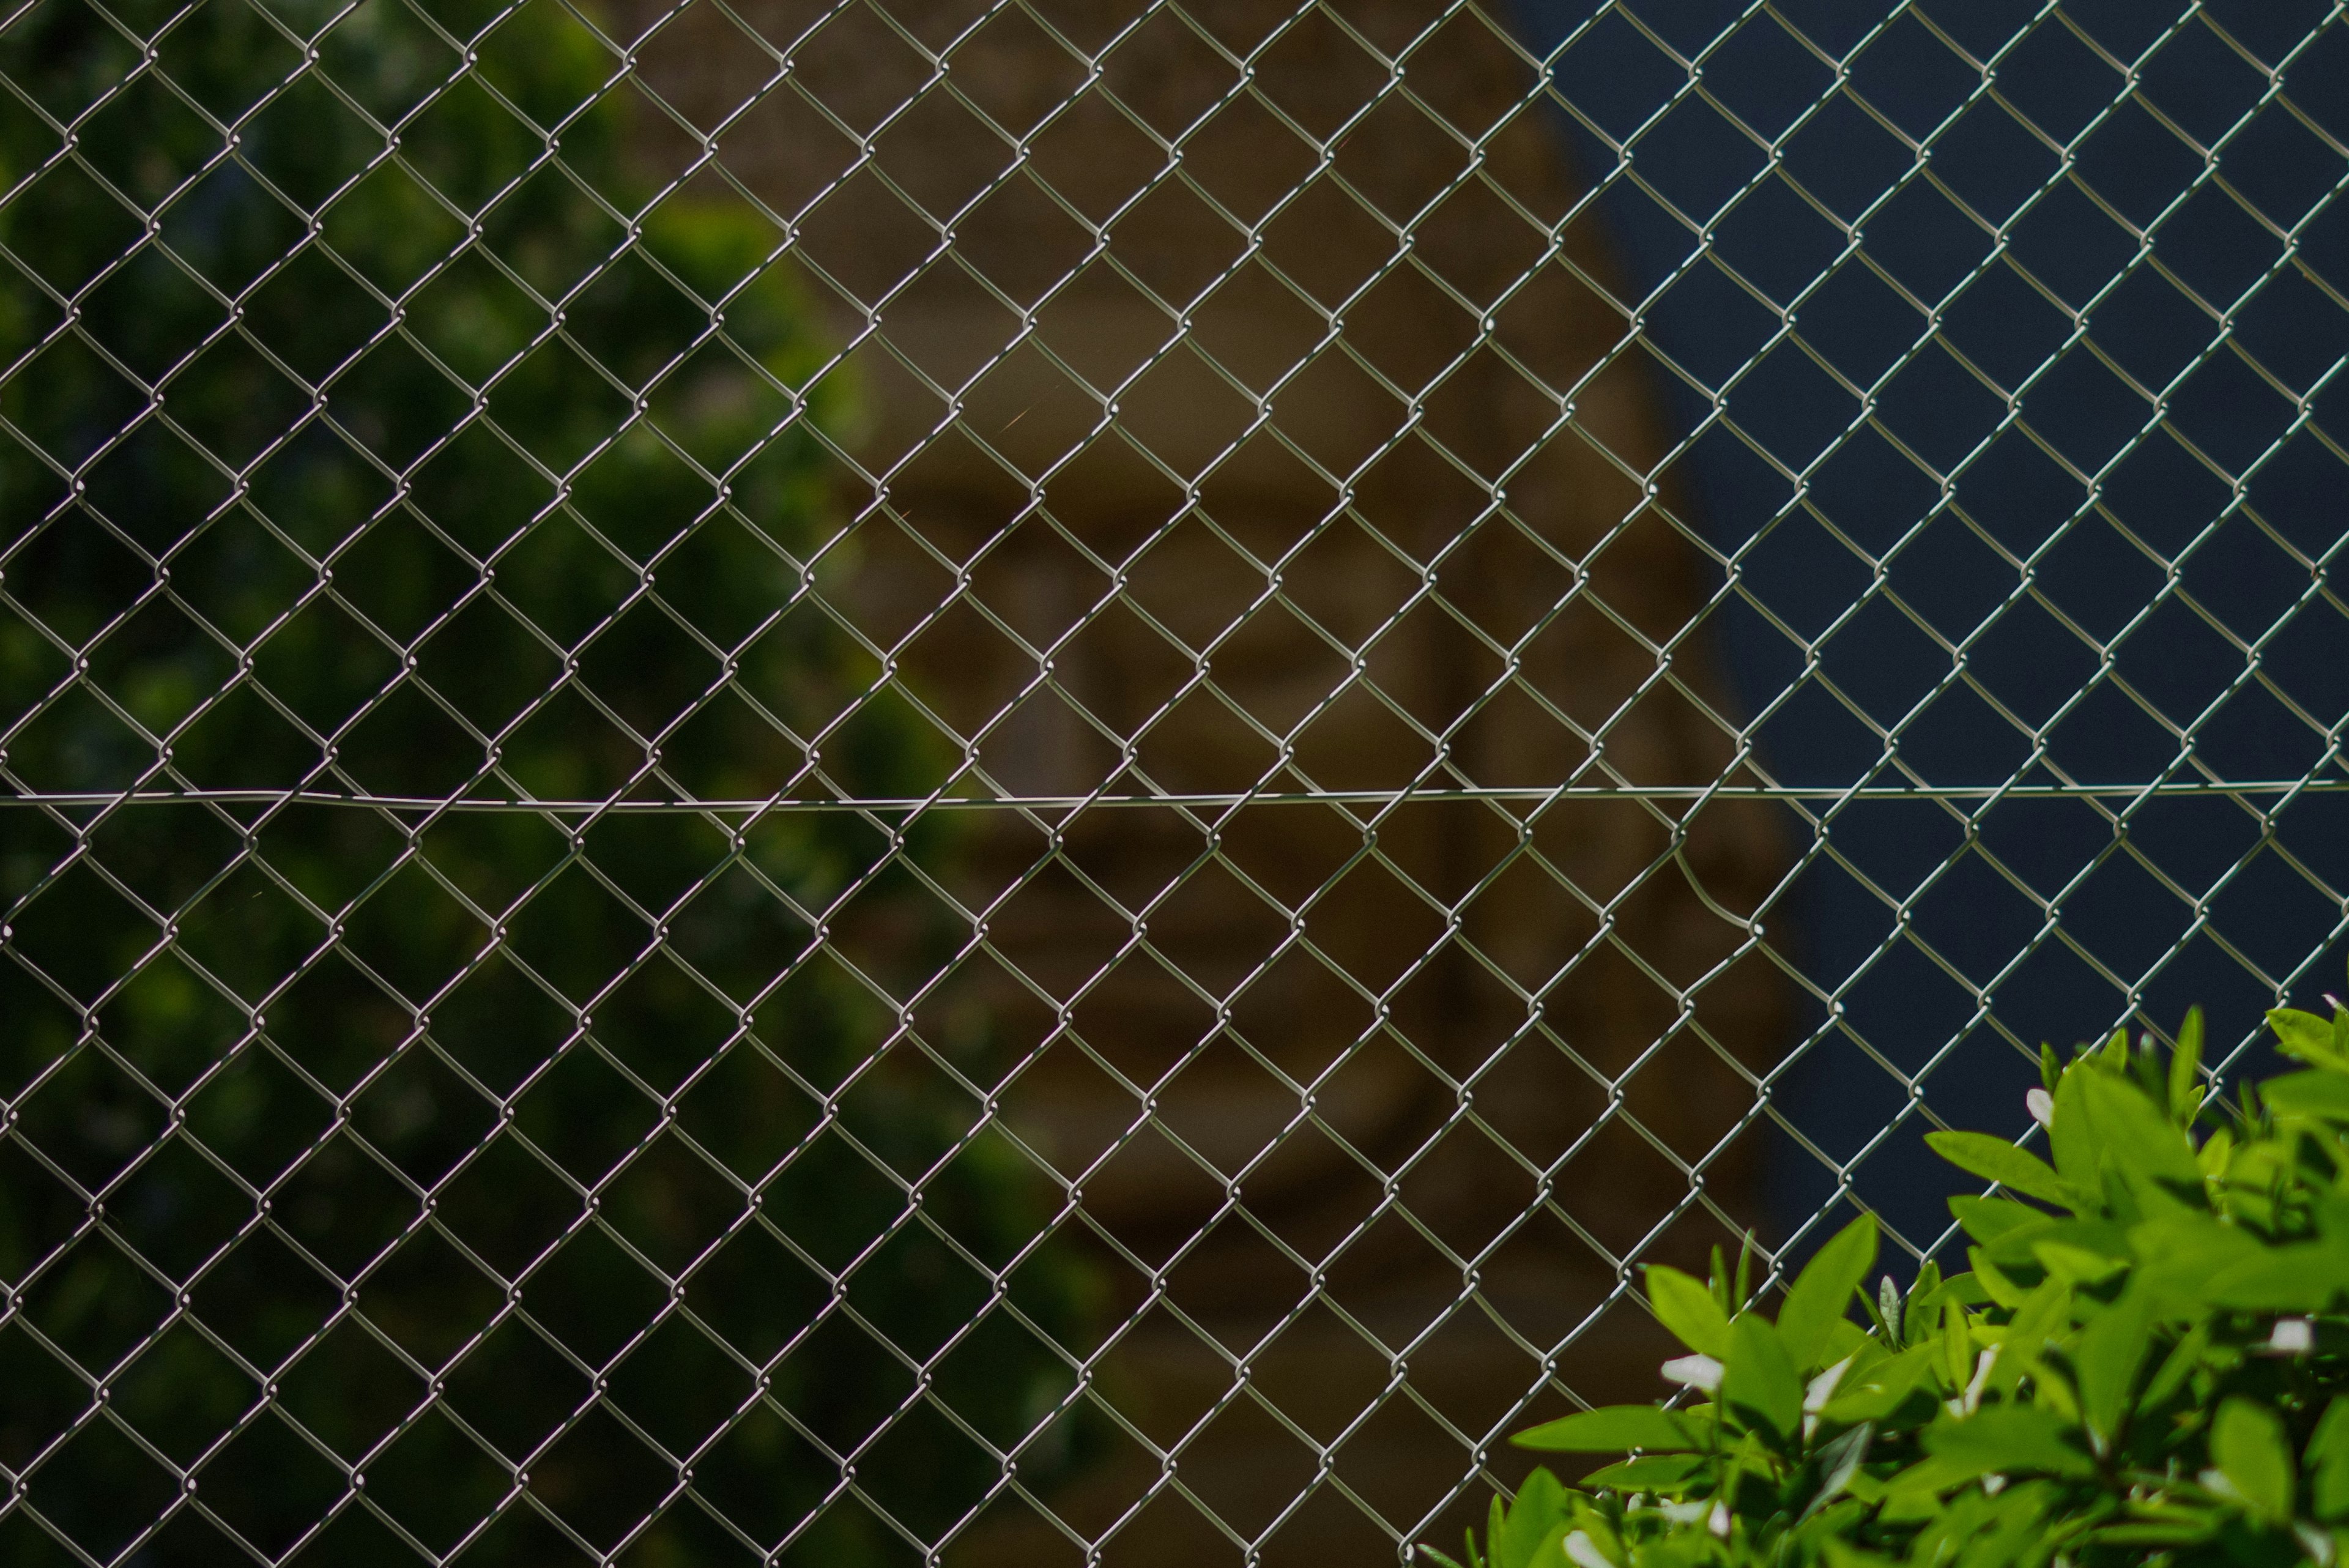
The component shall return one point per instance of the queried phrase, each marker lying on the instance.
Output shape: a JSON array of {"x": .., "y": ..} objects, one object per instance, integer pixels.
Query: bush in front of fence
[
  {"x": 2148, "y": 1360},
  {"x": 365, "y": 433}
]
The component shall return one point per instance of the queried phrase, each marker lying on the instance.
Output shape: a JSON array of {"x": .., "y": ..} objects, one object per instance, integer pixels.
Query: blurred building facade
[{"x": 1246, "y": 415}]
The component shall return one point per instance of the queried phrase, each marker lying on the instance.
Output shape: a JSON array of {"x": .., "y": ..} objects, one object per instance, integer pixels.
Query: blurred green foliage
[
  {"x": 455, "y": 1148},
  {"x": 2148, "y": 1363}
]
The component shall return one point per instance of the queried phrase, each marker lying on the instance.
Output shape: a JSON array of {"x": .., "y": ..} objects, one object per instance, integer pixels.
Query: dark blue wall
[{"x": 2240, "y": 495}]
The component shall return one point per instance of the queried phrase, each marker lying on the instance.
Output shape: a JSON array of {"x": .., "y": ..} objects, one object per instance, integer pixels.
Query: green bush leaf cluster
[{"x": 2144, "y": 1362}]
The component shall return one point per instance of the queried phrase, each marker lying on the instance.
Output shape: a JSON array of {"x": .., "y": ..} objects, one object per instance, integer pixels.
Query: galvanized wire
[{"x": 988, "y": 1123}]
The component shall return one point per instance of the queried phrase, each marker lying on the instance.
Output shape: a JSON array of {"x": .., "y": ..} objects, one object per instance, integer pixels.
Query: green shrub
[
  {"x": 2146, "y": 1361},
  {"x": 448, "y": 1147}
]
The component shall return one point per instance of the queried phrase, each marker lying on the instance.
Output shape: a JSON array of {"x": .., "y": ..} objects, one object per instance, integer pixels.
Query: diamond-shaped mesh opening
[{"x": 919, "y": 781}]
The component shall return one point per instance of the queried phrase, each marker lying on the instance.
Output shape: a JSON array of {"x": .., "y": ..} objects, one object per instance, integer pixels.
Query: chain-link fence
[{"x": 1025, "y": 782}]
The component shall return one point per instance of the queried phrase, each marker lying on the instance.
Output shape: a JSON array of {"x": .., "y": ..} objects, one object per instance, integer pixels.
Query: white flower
[
  {"x": 2292, "y": 1336},
  {"x": 2041, "y": 1105},
  {"x": 1719, "y": 1522},
  {"x": 1585, "y": 1550},
  {"x": 1695, "y": 1371}
]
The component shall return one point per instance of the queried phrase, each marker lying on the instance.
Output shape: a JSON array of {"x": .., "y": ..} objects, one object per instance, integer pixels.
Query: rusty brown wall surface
[{"x": 1246, "y": 418}]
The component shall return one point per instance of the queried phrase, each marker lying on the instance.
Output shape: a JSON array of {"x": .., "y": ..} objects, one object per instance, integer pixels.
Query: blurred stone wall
[{"x": 1269, "y": 468}]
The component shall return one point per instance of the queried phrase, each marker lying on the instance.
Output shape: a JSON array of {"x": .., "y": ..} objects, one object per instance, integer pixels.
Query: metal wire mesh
[{"x": 912, "y": 781}]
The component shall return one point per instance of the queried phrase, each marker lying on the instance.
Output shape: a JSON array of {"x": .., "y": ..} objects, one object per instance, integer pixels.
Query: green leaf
[
  {"x": 1655, "y": 1474},
  {"x": 1611, "y": 1429},
  {"x": 2100, "y": 1239},
  {"x": 2247, "y": 1442},
  {"x": 1689, "y": 1311},
  {"x": 2177, "y": 1367},
  {"x": 1838, "y": 1462},
  {"x": 2315, "y": 1096},
  {"x": 1995, "y": 1160},
  {"x": 2328, "y": 1462},
  {"x": 1988, "y": 1219},
  {"x": 1921, "y": 1480},
  {"x": 2186, "y": 1068},
  {"x": 1957, "y": 1289},
  {"x": 2111, "y": 1349},
  {"x": 1875, "y": 1392},
  {"x": 2014, "y": 1517},
  {"x": 1759, "y": 1377},
  {"x": 1538, "y": 1509},
  {"x": 2040, "y": 1319},
  {"x": 2005, "y": 1440},
  {"x": 2071, "y": 1140},
  {"x": 1549, "y": 1552},
  {"x": 1958, "y": 1354},
  {"x": 2304, "y": 1035},
  {"x": 1921, "y": 1290},
  {"x": 2302, "y": 1278},
  {"x": 1994, "y": 1280},
  {"x": 2166, "y": 1526},
  {"x": 2179, "y": 1255},
  {"x": 2077, "y": 1265},
  {"x": 1887, "y": 1308},
  {"x": 1822, "y": 1292},
  {"x": 1845, "y": 1338},
  {"x": 2138, "y": 1138}
]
